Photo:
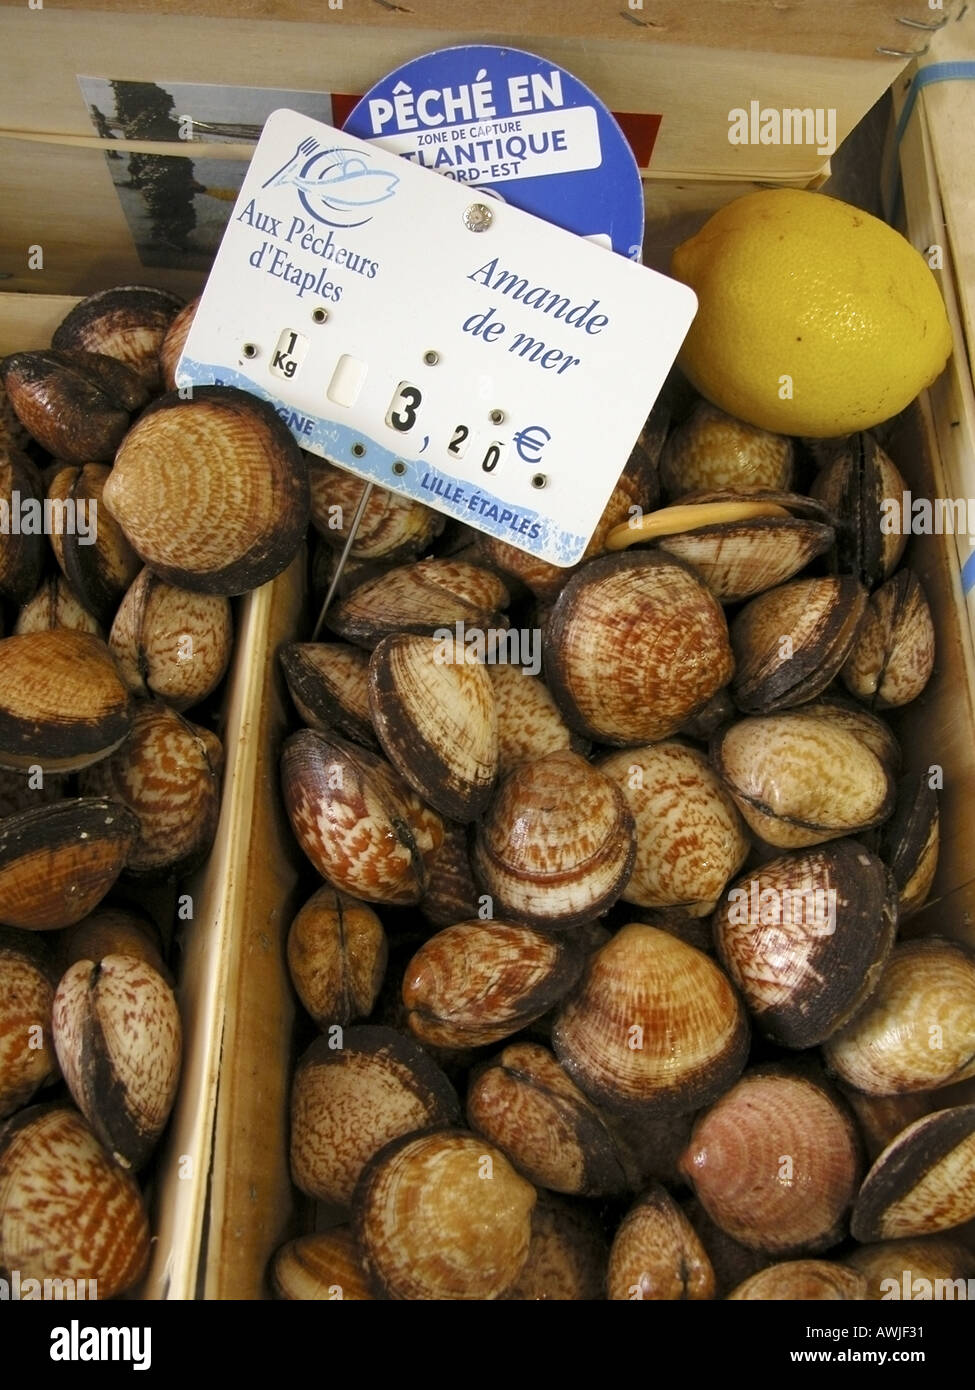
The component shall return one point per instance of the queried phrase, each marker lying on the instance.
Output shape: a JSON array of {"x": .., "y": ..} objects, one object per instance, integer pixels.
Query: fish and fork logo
[{"x": 335, "y": 184}]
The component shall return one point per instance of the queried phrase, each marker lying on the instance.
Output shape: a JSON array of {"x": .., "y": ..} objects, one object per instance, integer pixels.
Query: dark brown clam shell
[
  {"x": 423, "y": 598},
  {"x": 128, "y": 322},
  {"x": 212, "y": 492},
  {"x": 567, "y": 1256},
  {"x": 635, "y": 645},
  {"x": 909, "y": 841},
  {"x": 452, "y": 895},
  {"x": 58, "y": 861},
  {"x": 478, "y": 982},
  {"x": 525, "y": 1102},
  {"x": 21, "y": 551},
  {"x": 96, "y": 558},
  {"x": 348, "y": 1102},
  {"x": 805, "y": 937},
  {"x": 854, "y": 484},
  {"x": 923, "y": 1182},
  {"x": 329, "y": 684},
  {"x": 77, "y": 405}
]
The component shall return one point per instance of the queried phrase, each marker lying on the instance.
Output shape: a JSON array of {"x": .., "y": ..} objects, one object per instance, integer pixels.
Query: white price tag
[{"x": 434, "y": 339}]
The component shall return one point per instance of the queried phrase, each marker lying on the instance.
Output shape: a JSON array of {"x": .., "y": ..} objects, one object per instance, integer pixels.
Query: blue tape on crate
[
  {"x": 968, "y": 574},
  {"x": 935, "y": 72}
]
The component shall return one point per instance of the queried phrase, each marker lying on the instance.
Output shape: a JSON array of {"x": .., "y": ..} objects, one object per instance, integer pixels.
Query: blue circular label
[{"x": 518, "y": 127}]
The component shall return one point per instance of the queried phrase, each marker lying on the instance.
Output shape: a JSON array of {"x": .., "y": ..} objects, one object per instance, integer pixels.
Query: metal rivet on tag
[
  {"x": 478, "y": 217},
  {"x": 319, "y": 315},
  {"x": 399, "y": 468},
  {"x": 358, "y": 450},
  {"x": 249, "y": 350},
  {"x": 539, "y": 480},
  {"x": 496, "y": 417},
  {"x": 431, "y": 358}
]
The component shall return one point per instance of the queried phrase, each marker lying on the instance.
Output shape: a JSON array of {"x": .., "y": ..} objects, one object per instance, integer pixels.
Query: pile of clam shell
[
  {"x": 606, "y": 988},
  {"x": 131, "y": 515}
]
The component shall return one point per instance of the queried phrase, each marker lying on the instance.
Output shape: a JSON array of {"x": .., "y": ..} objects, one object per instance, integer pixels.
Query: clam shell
[
  {"x": 714, "y": 450},
  {"x": 392, "y": 528},
  {"x": 657, "y": 1254},
  {"x": 424, "y": 598},
  {"x": 941, "y": 1262},
  {"x": 527, "y": 1105},
  {"x": 854, "y": 484},
  {"x": 55, "y": 1178},
  {"x": 917, "y": 1032},
  {"x": 319, "y": 1267},
  {"x": 478, "y": 982},
  {"x": 96, "y": 558},
  {"x": 567, "y": 1255},
  {"x": 76, "y": 405},
  {"x": 881, "y": 1118},
  {"x": 21, "y": 553},
  {"x": 119, "y": 1042},
  {"x": 57, "y": 862},
  {"x": 799, "y": 780},
  {"x": 329, "y": 684},
  {"x": 790, "y": 642},
  {"x": 720, "y": 709},
  {"x": 740, "y": 559},
  {"x": 654, "y": 1026},
  {"x": 62, "y": 704},
  {"x": 12, "y": 433},
  {"x": 347, "y": 1102},
  {"x": 129, "y": 322},
  {"x": 923, "y": 1182},
  {"x": 892, "y": 658},
  {"x": 170, "y": 642},
  {"x": 635, "y": 645},
  {"x": 452, "y": 895},
  {"x": 529, "y": 722},
  {"x": 54, "y": 604},
  {"x": 556, "y": 845},
  {"x": 166, "y": 775},
  {"x": 805, "y": 937},
  {"x": 690, "y": 838},
  {"x": 869, "y": 728},
  {"x": 212, "y": 492},
  {"x": 361, "y": 826},
  {"x": 337, "y": 953},
  {"x": 430, "y": 1224},
  {"x": 775, "y": 1163},
  {"x": 27, "y": 1059},
  {"x": 910, "y": 840},
  {"x": 171, "y": 349},
  {"x": 112, "y": 931},
  {"x": 731, "y": 1261},
  {"x": 803, "y": 1280},
  {"x": 434, "y": 714}
]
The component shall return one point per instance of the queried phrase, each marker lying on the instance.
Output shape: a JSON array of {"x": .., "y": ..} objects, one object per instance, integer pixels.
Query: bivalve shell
[
  {"x": 112, "y": 931},
  {"x": 168, "y": 774},
  {"x": 855, "y": 484},
  {"x": 529, "y": 722},
  {"x": 657, "y": 1254},
  {"x": 54, "y": 604},
  {"x": 170, "y": 642},
  {"x": 21, "y": 546},
  {"x": 567, "y": 1255},
  {"x": 432, "y": 1226},
  {"x": 58, "y": 861},
  {"x": 434, "y": 713},
  {"x": 804, "y": 1281},
  {"x": 800, "y": 780},
  {"x": 171, "y": 349},
  {"x": 917, "y": 1031},
  {"x": 776, "y": 1162},
  {"x": 654, "y": 1026},
  {"x": 337, "y": 953},
  {"x": 892, "y": 658},
  {"x": 910, "y": 840},
  {"x": 329, "y": 684},
  {"x": 714, "y": 450},
  {"x": 738, "y": 559},
  {"x": 526, "y": 1104},
  {"x": 805, "y": 937},
  {"x": 635, "y": 645},
  {"x": 452, "y": 895},
  {"x": 556, "y": 845},
  {"x": 62, "y": 704},
  {"x": 361, "y": 826},
  {"x": 27, "y": 1058},
  {"x": 924, "y": 1268},
  {"x": 54, "y": 1178},
  {"x": 923, "y": 1182},
  {"x": 790, "y": 642},
  {"x": 129, "y": 322},
  {"x": 425, "y": 598},
  {"x": 76, "y": 405},
  {"x": 96, "y": 558},
  {"x": 348, "y": 1102},
  {"x": 326, "y": 1266},
  {"x": 119, "y": 1042},
  {"x": 690, "y": 838},
  {"x": 478, "y": 982},
  {"x": 392, "y": 529},
  {"x": 212, "y": 492}
]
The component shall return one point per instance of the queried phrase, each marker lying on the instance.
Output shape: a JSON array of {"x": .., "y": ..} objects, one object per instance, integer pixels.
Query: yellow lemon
[{"x": 815, "y": 318}]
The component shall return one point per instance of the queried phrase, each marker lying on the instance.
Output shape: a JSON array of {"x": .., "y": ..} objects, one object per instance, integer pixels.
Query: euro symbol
[{"x": 530, "y": 442}]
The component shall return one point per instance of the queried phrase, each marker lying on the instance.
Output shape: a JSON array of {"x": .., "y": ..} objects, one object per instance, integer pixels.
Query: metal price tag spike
[{"x": 346, "y": 552}]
